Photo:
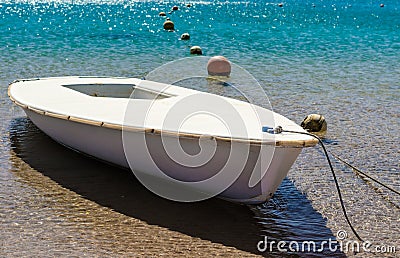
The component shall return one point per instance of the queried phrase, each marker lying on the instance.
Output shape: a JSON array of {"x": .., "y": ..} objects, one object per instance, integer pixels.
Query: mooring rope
[
  {"x": 364, "y": 174},
  {"x": 279, "y": 129}
]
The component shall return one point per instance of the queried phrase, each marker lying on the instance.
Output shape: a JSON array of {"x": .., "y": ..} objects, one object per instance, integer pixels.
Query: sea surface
[{"x": 336, "y": 58}]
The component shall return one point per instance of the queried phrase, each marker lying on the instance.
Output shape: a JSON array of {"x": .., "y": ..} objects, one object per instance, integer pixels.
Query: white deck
[{"x": 58, "y": 97}]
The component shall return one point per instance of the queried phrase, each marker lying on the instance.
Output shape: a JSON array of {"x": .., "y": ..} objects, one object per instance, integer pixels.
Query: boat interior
[{"x": 117, "y": 90}]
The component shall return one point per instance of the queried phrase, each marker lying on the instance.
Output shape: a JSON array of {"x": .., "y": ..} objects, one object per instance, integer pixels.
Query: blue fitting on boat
[
  {"x": 272, "y": 130},
  {"x": 267, "y": 129}
]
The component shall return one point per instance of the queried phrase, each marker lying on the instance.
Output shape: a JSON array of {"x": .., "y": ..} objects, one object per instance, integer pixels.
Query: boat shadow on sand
[{"x": 218, "y": 221}]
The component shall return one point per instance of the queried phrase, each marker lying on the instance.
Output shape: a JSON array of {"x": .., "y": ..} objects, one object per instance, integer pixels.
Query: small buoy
[
  {"x": 169, "y": 25},
  {"x": 167, "y": 19},
  {"x": 175, "y": 8},
  {"x": 280, "y": 4},
  {"x": 218, "y": 66},
  {"x": 185, "y": 36},
  {"x": 196, "y": 50},
  {"x": 314, "y": 123},
  {"x": 382, "y": 5},
  {"x": 162, "y": 14},
  {"x": 188, "y": 5}
]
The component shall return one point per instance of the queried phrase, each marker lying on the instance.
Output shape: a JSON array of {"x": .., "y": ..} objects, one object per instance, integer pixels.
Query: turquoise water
[
  {"x": 338, "y": 58},
  {"x": 126, "y": 38}
]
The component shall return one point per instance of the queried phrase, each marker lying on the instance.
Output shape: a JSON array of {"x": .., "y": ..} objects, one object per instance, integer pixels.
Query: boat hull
[{"x": 107, "y": 144}]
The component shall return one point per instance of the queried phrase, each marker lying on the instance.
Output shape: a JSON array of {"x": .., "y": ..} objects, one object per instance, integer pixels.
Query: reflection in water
[
  {"x": 215, "y": 85},
  {"x": 119, "y": 215}
]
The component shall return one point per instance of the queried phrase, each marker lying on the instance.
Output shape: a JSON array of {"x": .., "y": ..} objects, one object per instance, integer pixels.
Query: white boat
[{"x": 167, "y": 134}]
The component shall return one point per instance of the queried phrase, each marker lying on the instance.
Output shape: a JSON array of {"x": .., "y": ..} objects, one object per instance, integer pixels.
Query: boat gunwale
[{"x": 277, "y": 143}]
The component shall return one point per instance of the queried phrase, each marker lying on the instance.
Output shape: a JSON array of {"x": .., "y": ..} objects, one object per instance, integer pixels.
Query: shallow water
[{"x": 337, "y": 58}]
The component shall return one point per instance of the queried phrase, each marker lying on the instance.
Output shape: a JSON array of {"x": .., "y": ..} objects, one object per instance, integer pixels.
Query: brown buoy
[
  {"x": 185, "y": 36},
  {"x": 175, "y": 8},
  {"x": 315, "y": 123},
  {"x": 196, "y": 50},
  {"x": 162, "y": 14},
  {"x": 218, "y": 66},
  {"x": 188, "y": 5},
  {"x": 169, "y": 25}
]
